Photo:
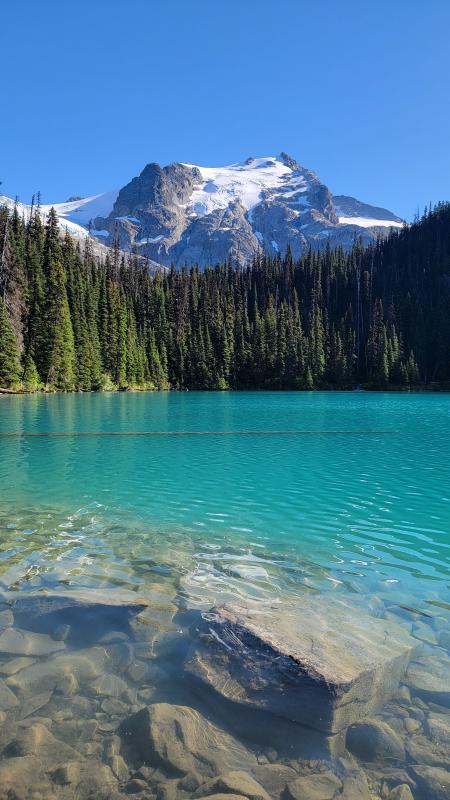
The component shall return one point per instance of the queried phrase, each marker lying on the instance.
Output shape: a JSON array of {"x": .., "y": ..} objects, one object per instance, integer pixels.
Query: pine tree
[
  {"x": 9, "y": 364},
  {"x": 30, "y": 377},
  {"x": 59, "y": 345},
  {"x": 35, "y": 320}
]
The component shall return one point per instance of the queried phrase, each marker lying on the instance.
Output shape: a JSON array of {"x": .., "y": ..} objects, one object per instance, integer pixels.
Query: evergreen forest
[{"x": 377, "y": 316}]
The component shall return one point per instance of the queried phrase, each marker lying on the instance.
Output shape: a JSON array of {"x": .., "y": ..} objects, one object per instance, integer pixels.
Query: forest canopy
[{"x": 377, "y": 316}]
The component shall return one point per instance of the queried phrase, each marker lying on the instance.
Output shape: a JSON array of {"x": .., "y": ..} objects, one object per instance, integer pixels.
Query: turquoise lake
[
  {"x": 357, "y": 496},
  {"x": 197, "y": 498}
]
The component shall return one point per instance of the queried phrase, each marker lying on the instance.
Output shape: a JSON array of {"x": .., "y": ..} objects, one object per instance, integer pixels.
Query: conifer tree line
[{"x": 378, "y": 316}]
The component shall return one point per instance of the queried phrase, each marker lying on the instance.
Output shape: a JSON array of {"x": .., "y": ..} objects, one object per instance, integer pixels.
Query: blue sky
[{"x": 357, "y": 91}]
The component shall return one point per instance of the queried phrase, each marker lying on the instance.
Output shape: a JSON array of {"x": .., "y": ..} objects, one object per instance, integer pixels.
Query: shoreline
[{"x": 137, "y": 390}]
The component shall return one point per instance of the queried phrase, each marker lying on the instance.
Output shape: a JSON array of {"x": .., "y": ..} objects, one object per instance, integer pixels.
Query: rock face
[
  {"x": 185, "y": 214},
  {"x": 323, "y": 667}
]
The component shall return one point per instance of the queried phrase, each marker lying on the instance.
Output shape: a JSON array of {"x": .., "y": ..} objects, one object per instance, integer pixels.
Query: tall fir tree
[{"x": 9, "y": 363}]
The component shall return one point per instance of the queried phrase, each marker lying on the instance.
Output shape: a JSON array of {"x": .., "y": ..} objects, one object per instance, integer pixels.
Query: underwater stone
[
  {"x": 322, "y": 663},
  {"x": 109, "y": 686},
  {"x": 424, "y": 632},
  {"x": 224, "y": 796},
  {"x": 67, "y": 773},
  {"x": 36, "y": 740},
  {"x": 274, "y": 777},
  {"x": 439, "y": 728},
  {"x": 236, "y": 782},
  {"x": 16, "y": 664},
  {"x": 6, "y": 618},
  {"x": 18, "y": 774},
  {"x": 7, "y": 698},
  {"x": 423, "y": 751},
  {"x": 429, "y": 677},
  {"x": 33, "y": 704},
  {"x": 412, "y": 725},
  {"x": 433, "y": 782},
  {"x": 374, "y": 740},
  {"x": 402, "y": 792},
  {"x": 119, "y": 768},
  {"x": 24, "y": 643},
  {"x": 54, "y": 673},
  {"x": 180, "y": 740},
  {"x": 322, "y": 786},
  {"x": 38, "y": 603}
]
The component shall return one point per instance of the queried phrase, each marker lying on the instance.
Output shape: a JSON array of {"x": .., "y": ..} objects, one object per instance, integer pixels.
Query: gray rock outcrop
[
  {"x": 183, "y": 214},
  {"x": 323, "y": 666}
]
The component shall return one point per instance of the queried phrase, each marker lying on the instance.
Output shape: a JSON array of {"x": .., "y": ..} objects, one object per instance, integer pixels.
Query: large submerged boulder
[
  {"x": 180, "y": 741},
  {"x": 324, "y": 664}
]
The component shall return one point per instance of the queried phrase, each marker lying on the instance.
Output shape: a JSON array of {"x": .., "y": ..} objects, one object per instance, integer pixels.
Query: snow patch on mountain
[
  {"x": 24, "y": 211},
  {"x": 85, "y": 210},
  {"x": 74, "y": 215},
  {"x": 244, "y": 183},
  {"x": 364, "y": 222}
]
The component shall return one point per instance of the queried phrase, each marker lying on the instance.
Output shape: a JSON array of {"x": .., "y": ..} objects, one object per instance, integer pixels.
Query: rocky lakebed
[{"x": 107, "y": 693}]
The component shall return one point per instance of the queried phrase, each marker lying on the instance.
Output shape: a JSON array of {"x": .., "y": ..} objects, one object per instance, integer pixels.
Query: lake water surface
[{"x": 192, "y": 499}]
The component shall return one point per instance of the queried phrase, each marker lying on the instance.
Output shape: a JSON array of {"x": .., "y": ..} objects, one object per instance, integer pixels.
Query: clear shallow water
[
  {"x": 359, "y": 495},
  {"x": 281, "y": 494}
]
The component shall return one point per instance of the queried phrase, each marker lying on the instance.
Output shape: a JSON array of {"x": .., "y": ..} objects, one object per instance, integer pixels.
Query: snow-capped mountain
[{"x": 186, "y": 214}]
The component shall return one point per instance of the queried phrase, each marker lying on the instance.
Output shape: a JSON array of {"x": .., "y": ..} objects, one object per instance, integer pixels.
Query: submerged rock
[
  {"x": 6, "y": 618},
  {"x": 429, "y": 677},
  {"x": 109, "y": 686},
  {"x": 424, "y": 632},
  {"x": 402, "y": 792},
  {"x": 180, "y": 740},
  {"x": 423, "y": 751},
  {"x": 434, "y": 782},
  {"x": 80, "y": 617},
  {"x": 236, "y": 782},
  {"x": 15, "y": 665},
  {"x": 274, "y": 777},
  {"x": 36, "y": 740},
  {"x": 7, "y": 698},
  {"x": 322, "y": 786},
  {"x": 320, "y": 663},
  {"x": 18, "y": 774},
  {"x": 40, "y": 603},
  {"x": 23, "y": 643},
  {"x": 223, "y": 796},
  {"x": 439, "y": 729},
  {"x": 59, "y": 671},
  {"x": 374, "y": 740},
  {"x": 33, "y": 704},
  {"x": 67, "y": 773}
]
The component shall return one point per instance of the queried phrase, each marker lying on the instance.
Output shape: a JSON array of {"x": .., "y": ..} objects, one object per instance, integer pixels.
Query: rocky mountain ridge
[{"x": 185, "y": 214}]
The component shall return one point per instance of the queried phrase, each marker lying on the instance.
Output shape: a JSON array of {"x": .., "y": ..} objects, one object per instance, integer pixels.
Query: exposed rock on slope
[{"x": 186, "y": 214}]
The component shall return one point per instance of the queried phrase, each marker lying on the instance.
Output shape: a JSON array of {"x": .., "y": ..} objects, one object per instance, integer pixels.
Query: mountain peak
[
  {"x": 189, "y": 214},
  {"x": 288, "y": 161}
]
